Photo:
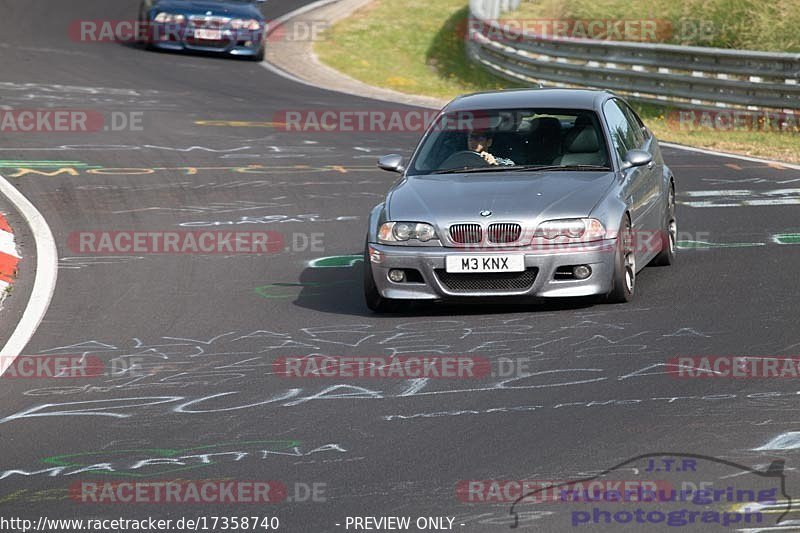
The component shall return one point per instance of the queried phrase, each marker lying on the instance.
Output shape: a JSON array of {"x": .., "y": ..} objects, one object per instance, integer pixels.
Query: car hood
[
  {"x": 531, "y": 197},
  {"x": 202, "y": 7}
]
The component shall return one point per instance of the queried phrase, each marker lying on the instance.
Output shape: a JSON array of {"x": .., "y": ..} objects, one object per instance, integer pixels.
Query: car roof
[{"x": 532, "y": 98}]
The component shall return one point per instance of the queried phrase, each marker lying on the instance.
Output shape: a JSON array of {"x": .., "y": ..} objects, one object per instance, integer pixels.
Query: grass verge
[{"x": 418, "y": 48}]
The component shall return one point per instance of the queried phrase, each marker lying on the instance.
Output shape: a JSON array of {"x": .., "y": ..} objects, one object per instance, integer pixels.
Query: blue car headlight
[
  {"x": 169, "y": 18},
  {"x": 245, "y": 24}
]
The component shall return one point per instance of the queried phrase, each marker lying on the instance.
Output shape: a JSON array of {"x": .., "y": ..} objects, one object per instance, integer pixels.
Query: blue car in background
[{"x": 232, "y": 27}]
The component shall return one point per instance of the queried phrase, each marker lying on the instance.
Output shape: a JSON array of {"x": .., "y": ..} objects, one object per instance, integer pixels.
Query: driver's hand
[{"x": 489, "y": 158}]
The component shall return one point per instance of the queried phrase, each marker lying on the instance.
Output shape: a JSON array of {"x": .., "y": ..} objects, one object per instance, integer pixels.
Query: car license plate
[
  {"x": 208, "y": 35},
  {"x": 485, "y": 263}
]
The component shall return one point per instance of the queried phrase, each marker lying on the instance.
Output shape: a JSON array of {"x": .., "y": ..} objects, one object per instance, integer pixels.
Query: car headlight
[
  {"x": 392, "y": 232},
  {"x": 248, "y": 24},
  {"x": 572, "y": 229},
  {"x": 169, "y": 18}
]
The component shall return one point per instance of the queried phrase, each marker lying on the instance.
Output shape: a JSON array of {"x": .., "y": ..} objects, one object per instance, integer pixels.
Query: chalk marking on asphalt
[
  {"x": 785, "y": 441},
  {"x": 46, "y": 274}
]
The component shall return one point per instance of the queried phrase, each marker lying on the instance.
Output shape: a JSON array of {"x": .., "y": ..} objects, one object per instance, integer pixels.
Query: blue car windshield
[{"x": 467, "y": 140}]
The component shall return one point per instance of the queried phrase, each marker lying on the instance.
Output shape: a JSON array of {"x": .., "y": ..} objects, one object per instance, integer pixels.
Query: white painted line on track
[{"x": 46, "y": 274}]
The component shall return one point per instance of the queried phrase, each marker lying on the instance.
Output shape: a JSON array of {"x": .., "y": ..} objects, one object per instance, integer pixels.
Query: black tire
[
  {"x": 372, "y": 296},
  {"x": 259, "y": 57},
  {"x": 149, "y": 40},
  {"x": 147, "y": 35},
  {"x": 624, "y": 278},
  {"x": 669, "y": 234}
]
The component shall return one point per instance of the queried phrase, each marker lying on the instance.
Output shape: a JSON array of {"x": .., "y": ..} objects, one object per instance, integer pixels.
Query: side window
[
  {"x": 622, "y": 135},
  {"x": 636, "y": 124}
]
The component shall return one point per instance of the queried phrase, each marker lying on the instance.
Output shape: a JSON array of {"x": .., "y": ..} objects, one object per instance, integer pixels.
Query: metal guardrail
[{"x": 657, "y": 73}]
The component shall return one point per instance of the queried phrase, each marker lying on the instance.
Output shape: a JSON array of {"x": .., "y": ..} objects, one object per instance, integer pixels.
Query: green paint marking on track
[
  {"x": 786, "y": 238},
  {"x": 335, "y": 261},
  {"x": 702, "y": 245}
]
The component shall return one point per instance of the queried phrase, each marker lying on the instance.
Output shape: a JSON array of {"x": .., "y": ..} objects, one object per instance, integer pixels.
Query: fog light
[
  {"x": 581, "y": 271},
  {"x": 398, "y": 276}
]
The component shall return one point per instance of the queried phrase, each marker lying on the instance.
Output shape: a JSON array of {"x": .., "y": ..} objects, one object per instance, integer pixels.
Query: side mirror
[
  {"x": 637, "y": 158},
  {"x": 392, "y": 163}
]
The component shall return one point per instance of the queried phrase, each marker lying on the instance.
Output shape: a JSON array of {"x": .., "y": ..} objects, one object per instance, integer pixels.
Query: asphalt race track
[{"x": 206, "y": 329}]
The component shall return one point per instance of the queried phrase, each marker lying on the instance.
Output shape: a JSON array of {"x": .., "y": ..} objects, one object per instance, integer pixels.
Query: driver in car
[{"x": 480, "y": 142}]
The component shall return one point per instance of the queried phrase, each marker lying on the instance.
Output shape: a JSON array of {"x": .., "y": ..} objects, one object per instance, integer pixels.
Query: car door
[
  {"x": 635, "y": 179},
  {"x": 652, "y": 218}
]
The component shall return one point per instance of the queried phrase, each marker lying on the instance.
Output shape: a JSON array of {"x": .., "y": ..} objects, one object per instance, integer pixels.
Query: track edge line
[{"x": 46, "y": 275}]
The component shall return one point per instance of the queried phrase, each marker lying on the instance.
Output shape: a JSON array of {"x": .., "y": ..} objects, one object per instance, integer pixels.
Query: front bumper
[
  {"x": 430, "y": 262},
  {"x": 231, "y": 43}
]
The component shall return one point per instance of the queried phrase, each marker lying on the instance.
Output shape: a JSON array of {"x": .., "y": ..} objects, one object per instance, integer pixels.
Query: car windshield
[{"x": 512, "y": 140}]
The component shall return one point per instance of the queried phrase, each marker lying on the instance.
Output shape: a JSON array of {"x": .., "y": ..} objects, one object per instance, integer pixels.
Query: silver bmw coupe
[{"x": 525, "y": 193}]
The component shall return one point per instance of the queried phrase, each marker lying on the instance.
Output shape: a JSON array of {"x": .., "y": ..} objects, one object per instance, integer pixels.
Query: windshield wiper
[
  {"x": 492, "y": 168},
  {"x": 519, "y": 168},
  {"x": 564, "y": 167}
]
